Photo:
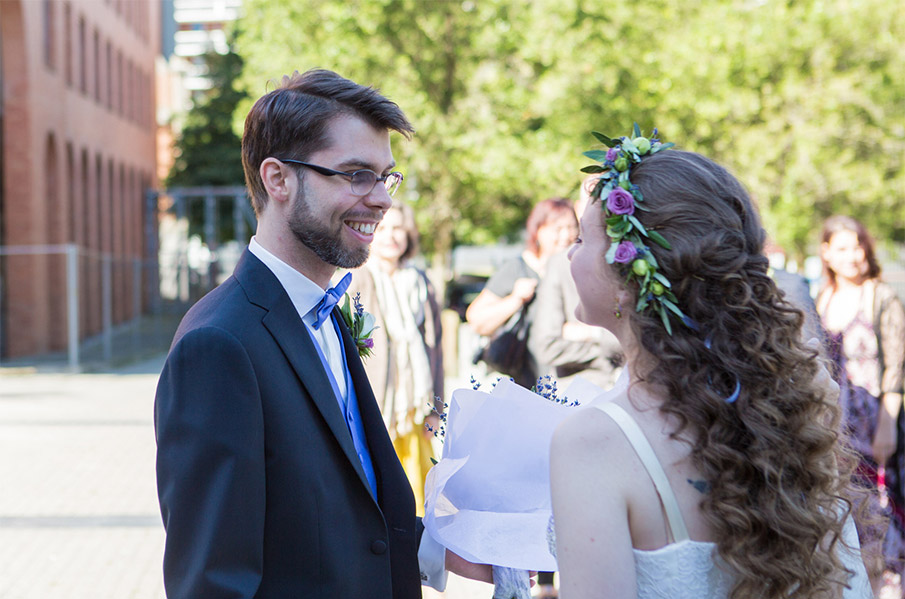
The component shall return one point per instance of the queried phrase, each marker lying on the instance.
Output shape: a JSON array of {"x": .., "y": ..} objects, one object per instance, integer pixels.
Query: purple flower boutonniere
[{"x": 361, "y": 324}]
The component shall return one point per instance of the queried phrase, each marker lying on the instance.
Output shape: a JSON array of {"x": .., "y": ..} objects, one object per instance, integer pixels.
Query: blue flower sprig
[
  {"x": 361, "y": 324},
  {"x": 629, "y": 239},
  {"x": 546, "y": 388},
  {"x": 440, "y": 431}
]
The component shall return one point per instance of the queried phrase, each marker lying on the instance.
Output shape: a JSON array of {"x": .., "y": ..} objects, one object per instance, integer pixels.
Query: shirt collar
[{"x": 304, "y": 293}]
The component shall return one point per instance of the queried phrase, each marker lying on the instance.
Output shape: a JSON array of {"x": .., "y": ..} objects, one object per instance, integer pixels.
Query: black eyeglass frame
[{"x": 391, "y": 180}]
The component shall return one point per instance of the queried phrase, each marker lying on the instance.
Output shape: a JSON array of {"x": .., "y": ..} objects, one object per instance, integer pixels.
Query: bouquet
[{"x": 488, "y": 498}]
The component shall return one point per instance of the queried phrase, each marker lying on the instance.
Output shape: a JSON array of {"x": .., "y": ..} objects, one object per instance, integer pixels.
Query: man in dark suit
[{"x": 276, "y": 476}]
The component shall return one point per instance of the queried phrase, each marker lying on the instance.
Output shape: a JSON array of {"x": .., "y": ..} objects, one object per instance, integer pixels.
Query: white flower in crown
[{"x": 361, "y": 324}]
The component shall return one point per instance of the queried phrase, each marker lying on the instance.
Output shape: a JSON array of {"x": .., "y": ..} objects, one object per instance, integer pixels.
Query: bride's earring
[{"x": 617, "y": 311}]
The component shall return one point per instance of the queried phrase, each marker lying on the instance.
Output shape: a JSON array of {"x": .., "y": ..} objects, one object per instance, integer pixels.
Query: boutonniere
[{"x": 360, "y": 323}]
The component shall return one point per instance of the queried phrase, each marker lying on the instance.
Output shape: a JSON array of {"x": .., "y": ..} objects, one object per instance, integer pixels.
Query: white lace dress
[
  {"x": 687, "y": 569},
  {"x": 683, "y": 570}
]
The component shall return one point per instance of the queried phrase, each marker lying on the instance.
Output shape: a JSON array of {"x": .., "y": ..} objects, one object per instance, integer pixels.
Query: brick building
[{"x": 77, "y": 154}]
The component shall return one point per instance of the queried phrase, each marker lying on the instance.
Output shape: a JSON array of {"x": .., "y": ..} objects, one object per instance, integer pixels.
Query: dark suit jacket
[{"x": 260, "y": 488}]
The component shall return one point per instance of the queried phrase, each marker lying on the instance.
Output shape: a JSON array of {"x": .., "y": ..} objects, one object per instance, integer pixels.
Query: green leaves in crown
[{"x": 629, "y": 239}]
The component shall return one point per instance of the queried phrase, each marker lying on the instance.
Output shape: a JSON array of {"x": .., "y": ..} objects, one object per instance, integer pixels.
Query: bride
[{"x": 718, "y": 471}]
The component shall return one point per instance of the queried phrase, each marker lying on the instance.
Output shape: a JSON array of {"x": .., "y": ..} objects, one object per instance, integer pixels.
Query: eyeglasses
[{"x": 363, "y": 181}]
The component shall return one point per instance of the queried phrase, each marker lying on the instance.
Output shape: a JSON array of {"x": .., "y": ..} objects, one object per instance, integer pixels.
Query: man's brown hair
[{"x": 291, "y": 121}]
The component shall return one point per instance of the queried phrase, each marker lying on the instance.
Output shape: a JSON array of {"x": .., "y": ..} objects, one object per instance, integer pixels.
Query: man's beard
[{"x": 326, "y": 244}]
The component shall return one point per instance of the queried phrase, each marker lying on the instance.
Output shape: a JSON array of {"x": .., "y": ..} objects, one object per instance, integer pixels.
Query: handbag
[{"x": 507, "y": 350}]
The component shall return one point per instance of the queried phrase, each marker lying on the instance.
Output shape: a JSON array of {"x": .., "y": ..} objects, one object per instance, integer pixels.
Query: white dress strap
[{"x": 645, "y": 452}]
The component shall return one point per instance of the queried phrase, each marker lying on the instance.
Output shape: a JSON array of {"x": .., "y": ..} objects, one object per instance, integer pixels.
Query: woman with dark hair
[
  {"x": 550, "y": 228},
  {"x": 715, "y": 470},
  {"x": 865, "y": 323}
]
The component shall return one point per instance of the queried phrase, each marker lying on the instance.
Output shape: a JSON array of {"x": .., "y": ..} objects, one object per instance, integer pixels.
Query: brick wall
[{"x": 78, "y": 150}]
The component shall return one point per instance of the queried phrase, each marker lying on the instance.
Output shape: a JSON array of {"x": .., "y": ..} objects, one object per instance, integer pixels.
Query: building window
[
  {"x": 109, "y": 206},
  {"x": 101, "y": 208},
  {"x": 130, "y": 91},
  {"x": 127, "y": 89},
  {"x": 97, "y": 66},
  {"x": 124, "y": 207},
  {"x": 109, "y": 72},
  {"x": 52, "y": 178},
  {"x": 83, "y": 57},
  {"x": 71, "y": 191},
  {"x": 85, "y": 201},
  {"x": 131, "y": 230},
  {"x": 141, "y": 237},
  {"x": 50, "y": 35},
  {"x": 119, "y": 82},
  {"x": 67, "y": 40}
]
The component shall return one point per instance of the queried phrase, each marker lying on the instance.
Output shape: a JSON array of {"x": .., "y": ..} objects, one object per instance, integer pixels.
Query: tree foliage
[
  {"x": 803, "y": 100},
  {"x": 208, "y": 151}
]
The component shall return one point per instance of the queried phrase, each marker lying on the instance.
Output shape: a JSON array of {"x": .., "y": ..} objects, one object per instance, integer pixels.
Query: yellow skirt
[{"x": 414, "y": 451}]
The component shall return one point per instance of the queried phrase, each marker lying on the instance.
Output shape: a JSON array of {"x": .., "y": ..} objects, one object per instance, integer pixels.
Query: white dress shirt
[{"x": 305, "y": 295}]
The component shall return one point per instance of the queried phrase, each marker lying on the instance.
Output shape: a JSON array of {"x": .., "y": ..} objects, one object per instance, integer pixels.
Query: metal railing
[
  {"x": 68, "y": 305},
  {"x": 80, "y": 263}
]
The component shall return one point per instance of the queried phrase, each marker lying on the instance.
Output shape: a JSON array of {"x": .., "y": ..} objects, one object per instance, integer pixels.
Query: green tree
[
  {"x": 208, "y": 151},
  {"x": 482, "y": 97},
  {"x": 803, "y": 99}
]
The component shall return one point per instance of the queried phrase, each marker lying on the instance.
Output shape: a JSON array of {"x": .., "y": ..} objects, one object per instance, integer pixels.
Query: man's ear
[{"x": 279, "y": 180}]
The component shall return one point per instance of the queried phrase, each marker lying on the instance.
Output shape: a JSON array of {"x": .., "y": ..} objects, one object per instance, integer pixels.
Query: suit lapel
[{"x": 283, "y": 322}]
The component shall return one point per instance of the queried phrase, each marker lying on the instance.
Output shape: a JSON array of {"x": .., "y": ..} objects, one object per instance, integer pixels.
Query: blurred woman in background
[
  {"x": 406, "y": 366},
  {"x": 551, "y": 228},
  {"x": 865, "y": 324}
]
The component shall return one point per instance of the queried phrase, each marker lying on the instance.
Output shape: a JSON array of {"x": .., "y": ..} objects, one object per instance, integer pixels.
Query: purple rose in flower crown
[
  {"x": 620, "y": 202},
  {"x": 611, "y": 154},
  {"x": 625, "y": 252}
]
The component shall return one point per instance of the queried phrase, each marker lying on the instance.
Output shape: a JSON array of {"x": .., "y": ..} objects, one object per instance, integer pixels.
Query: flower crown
[{"x": 629, "y": 238}]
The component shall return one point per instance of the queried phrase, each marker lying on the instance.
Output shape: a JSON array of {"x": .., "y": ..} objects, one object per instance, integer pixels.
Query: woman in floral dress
[{"x": 865, "y": 322}]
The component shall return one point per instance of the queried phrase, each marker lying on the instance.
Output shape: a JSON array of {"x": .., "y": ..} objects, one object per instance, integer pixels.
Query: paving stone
[{"x": 78, "y": 502}]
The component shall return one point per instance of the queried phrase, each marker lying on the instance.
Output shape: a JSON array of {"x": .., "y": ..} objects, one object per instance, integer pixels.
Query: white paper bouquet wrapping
[{"x": 488, "y": 498}]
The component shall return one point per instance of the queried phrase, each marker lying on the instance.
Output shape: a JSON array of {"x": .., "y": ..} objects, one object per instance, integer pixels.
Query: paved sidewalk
[
  {"x": 78, "y": 503},
  {"x": 78, "y": 510}
]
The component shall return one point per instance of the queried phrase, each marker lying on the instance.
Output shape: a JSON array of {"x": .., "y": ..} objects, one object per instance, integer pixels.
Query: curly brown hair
[{"x": 778, "y": 474}]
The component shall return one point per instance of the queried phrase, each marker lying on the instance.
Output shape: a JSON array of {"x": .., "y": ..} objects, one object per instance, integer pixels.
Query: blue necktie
[{"x": 331, "y": 298}]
